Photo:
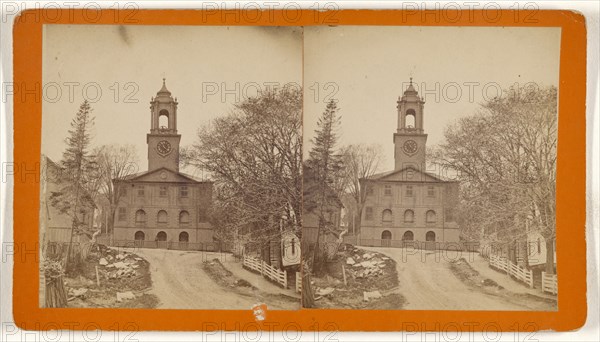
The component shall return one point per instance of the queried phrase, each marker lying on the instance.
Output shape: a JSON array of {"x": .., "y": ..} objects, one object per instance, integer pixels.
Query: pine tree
[
  {"x": 77, "y": 170},
  {"x": 322, "y": 171}
]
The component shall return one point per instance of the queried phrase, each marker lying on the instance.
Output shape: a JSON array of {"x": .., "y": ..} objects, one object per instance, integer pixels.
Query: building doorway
[
  {"x": 161, "y": 240},
  {"x": 386, "y": 238},
  {"x": 408, "y": 238},
  {"x": 430, "y": 241},
  {"x": 139, "y": 238},
  {"x": 430, "y": 236},
  {"x": 184, "y": 237}
]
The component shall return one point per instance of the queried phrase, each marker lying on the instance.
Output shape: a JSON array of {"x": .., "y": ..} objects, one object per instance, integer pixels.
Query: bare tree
[
  {"x": 360, "y": 162},
  {"x": 254, "y": 155},
  {"x": 505, "y": 158},
  {"x": 114, "y": 162}
]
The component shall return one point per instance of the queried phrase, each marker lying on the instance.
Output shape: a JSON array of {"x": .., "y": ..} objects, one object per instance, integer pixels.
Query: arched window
[
  {"x": 409, "y": 216},
  {"x": 386, "y": 216},
  {"x": 386, "y": 235},
  {"x": 163, "y": 119},
  {"x": 430, "y": 216},
  {"x": 140, "y": 216},
  {"x": 184, "y": 237},
  {"x": 430, "y": 236},
  {"x": 161, "y": 236},
  {"x": 139, "y": 236},
  {"x": 408, "y": 236},
  {"x": 184, "y": 217},
  {"x": 162, "y": 217},
  {"x": 410, "y": 118}
]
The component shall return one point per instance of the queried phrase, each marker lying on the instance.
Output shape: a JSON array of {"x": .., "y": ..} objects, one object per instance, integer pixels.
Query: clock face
[
  {"x": 163, "y": 147},
  {"x": 410, "y": 147}
]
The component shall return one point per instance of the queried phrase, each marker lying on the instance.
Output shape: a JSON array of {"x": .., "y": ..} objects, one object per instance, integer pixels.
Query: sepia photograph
[
  {"x": 408, "y": 168},
  {"x": 430, "y": 168},
  {"x": 171, "y": 167}
]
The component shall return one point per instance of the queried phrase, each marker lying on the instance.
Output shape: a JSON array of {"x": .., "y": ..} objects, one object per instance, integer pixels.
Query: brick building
[
  {"x": 408, "y": 203},
  {"x": 162, "y": 205}
]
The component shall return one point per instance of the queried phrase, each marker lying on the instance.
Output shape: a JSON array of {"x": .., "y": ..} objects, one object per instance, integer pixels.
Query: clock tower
[
  {"x": 163, "y": 140},
  {"x": 410, "y": 139}
]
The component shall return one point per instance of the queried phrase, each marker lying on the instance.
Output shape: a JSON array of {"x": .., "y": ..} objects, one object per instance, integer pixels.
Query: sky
[
  {"x": 207, "y": 68},
  {"x": 366, "y": 69}
]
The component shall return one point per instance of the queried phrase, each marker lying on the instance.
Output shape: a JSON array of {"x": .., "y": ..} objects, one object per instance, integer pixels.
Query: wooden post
[
  {"x": 344, "y": 274},
  {"x": 97, "y": 277}
]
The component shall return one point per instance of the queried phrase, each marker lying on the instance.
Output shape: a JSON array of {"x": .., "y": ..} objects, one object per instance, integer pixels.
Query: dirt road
[
  {"x": 427, "y": 283},
  {"x": 179, "y": 282}
]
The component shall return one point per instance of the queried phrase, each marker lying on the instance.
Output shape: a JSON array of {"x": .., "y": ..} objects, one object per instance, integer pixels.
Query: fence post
[
  {"x": 285, "y": 284},
  {"x": 543, "y": 281}
]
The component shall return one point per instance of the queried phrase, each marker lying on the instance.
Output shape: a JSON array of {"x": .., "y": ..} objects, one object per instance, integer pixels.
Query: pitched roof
[
  {"x": 425, "y": 176},
  {"x": 174, "y": 175}
]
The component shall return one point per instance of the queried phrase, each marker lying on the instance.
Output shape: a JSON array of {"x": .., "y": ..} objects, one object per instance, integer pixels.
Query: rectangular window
[
  {"x": 140, "y": 191},
  {"x": 430, "y": 191},
  {"x": 368, "y": 213},
  {"x": 163, "y": 191},
  {"x": 449, "y": 215},
  {"x": 202, "y": 214},
  {"x": 183, "y": 191},
  {"x": 123, "y": 191},
  {"x": 369, "y": 191},
  {"x": 409, "y": 191},
  {"x": 122, "y": 214},
  {"x": 387, "y": 190}
]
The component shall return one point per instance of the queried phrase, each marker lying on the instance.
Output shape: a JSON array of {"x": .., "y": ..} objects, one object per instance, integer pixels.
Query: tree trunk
[
  {"x": 549, "y": 255},
  {"x": 308, "y": 298},
  {"x": 56, "y": 296}
]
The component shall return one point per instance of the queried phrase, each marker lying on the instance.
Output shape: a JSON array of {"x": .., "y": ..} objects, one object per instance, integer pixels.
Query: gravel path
[
  {"x": 427, "y": 283},
  {"x": 179, "y": 282}
]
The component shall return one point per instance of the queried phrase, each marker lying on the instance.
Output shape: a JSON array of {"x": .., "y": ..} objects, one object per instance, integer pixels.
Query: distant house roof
[{"x": 52, "y": 174}]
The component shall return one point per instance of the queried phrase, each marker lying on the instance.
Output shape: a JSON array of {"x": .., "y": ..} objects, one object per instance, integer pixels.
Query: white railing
[
  {"x": 299, "y": 282},
  {"x": 507, "y": 266},
  {"x": 549, "y": 283},
  {"x": 266, "y": 270}
]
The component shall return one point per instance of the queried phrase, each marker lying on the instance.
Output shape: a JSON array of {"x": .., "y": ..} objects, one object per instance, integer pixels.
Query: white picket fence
[
  {"x": 298, "y": 282},
  {"x": 505, "y": 265},
  {"x": 549, "y": 283},
  {"x": 266, "y": 270}
]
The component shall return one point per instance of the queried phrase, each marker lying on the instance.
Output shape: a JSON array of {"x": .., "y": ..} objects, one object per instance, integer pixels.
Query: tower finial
[
  {"x": 410, "y": 80},
  {"x": 164, "y": 79}
]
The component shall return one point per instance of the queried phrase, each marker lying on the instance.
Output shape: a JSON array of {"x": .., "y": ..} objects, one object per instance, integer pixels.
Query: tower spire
[
  {"x": 163, "y": 140},
  {"x": 410, "y": 138}
]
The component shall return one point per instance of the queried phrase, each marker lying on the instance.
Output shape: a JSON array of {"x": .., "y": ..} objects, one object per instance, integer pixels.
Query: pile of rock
[
  {"x": 120, "y": 265},
  {"x": 366, "y": 265}
]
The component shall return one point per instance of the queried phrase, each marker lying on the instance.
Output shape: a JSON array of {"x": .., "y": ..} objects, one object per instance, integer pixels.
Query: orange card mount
[{"x": 570, "y": 187}]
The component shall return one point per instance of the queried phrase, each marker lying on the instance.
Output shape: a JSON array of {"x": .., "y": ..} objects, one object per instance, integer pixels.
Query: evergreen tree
[
  {"x": 322, "y": 172},
  {"x": 78, "y": 171}
]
